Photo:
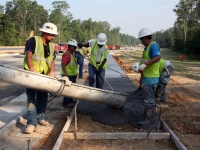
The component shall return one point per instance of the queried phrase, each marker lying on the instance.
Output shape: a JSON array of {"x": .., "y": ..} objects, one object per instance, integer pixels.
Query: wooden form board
[
  {"x": 176, "y": 140},
  {"x": 121, "y": 135},
  {"x": 65, "y": 128},
  {"x": 117, "y": 135}
]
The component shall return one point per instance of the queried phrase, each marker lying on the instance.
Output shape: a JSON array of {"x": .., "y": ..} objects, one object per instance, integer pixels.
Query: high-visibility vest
[
  {"x": 40, "y": 63},
  {"x": 151, "y": 71},
  {"x": 72, "y": 67},
  {"x": 80, "y": 50},
  {"x": 94, "y": 53},
  {"x": 162, "y": 65}
]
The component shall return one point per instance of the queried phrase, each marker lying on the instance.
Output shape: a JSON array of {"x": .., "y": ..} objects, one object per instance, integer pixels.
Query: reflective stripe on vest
[
  {"x": 94, "y": 53},
  {"x": 40, "y": 63},
  {"x": 72, "y": 67},
  {"x": 151, "y": 71}
]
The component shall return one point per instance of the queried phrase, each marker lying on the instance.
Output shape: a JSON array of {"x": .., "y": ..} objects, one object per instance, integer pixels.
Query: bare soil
[
  {"x": 182, "y": 116},
  {"x": 183, "y": 113}
]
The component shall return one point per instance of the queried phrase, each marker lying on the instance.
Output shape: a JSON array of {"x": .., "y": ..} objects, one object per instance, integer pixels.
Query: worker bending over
[
  {"x": 39, "y": 58},
  {"x": 98, "y": 59},
  {"x": 165, "y": 70},
  {"x": 69, "y": 68}
]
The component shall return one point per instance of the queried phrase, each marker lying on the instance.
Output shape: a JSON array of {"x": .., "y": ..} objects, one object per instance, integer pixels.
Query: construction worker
[
  {"x": 165, "y": 70},
  {"x": 149, "y": 68},
  {"x": 80, "y": 53},
  {"x": 98, "y": 59},
  {"x": 69, "y": 68},
  {"x": 39, "y": 58}
]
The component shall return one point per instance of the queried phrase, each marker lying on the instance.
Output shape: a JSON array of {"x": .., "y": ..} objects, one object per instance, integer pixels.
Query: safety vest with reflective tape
[
  {"x": 151, "y": 71},
  {"x": 94, "y": 53},
  {"x": 72, "y": 67},
  {"x": 40, "y": 63}
]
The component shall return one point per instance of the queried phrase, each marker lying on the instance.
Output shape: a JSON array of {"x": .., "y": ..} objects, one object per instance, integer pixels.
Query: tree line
[
  {"x": 19, "y": 17},
  {"x": 184, "y": 36}
]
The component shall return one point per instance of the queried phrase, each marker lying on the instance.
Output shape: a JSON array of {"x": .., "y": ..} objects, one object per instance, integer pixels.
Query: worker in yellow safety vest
[
  {"x": 149, "y": 69},
  {"x": 98, "y": 59},
  {"x": 39, "y": 58},
  {"x": 69, "y": 68}
]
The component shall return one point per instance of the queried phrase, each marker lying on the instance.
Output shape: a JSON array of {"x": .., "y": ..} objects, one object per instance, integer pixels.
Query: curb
[{"x": 14, "y": 54}]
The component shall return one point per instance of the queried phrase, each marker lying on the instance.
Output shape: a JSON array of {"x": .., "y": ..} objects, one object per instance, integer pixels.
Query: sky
[{"x": 129, "y": 15}]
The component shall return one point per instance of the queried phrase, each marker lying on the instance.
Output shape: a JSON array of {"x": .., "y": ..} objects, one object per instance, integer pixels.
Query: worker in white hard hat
[
  {"x": 166, "y": 69},
  {"x": 98, "y": 59},
  {"x": 39, "y": 58},
  {"x": 69, "y": 68},
  {"x": 149, "y": 68}
]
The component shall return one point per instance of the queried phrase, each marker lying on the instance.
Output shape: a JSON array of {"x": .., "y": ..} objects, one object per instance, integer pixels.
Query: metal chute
[{"x": 60, "y": 86}]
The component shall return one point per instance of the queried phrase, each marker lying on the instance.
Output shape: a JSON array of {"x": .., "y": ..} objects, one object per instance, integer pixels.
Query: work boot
[
  {"x": 30, "y": 129},
  {"x": 149, "y": 112},
  {"x": 43, "y": 122}
]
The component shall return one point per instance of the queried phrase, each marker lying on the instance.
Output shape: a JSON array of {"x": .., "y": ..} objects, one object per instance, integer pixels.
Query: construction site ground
[{"x": 182, "y": 116}]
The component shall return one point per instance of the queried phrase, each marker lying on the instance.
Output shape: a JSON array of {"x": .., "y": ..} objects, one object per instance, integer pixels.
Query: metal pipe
[{"x": 53, "y": 85}]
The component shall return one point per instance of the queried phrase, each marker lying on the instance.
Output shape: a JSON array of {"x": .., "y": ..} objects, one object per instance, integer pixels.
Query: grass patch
[{"x": 186, "y": 68}]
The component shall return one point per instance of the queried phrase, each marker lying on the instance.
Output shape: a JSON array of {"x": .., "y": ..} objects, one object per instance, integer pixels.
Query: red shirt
[{"x": 66, "y": 58}]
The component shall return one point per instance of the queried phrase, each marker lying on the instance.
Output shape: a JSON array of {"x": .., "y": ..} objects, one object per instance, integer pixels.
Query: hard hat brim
[
  {"x": 101, "y": 43},
  {"x": 43, "y": 30},
  {"x": 144, "y": 36}
]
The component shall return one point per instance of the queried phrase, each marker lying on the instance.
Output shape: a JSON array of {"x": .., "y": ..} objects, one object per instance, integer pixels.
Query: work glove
[
  {"x": 80, "y": 45},
  {"x": 141, "y": 68}
]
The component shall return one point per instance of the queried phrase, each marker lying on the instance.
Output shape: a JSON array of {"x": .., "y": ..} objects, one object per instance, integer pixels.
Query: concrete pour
[{"x": 132, "y": 110}]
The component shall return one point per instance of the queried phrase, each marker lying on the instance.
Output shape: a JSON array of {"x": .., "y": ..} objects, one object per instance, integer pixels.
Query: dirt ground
[
  {"x": 182, "y": 116},
  {"x": 183, "y": 113}
]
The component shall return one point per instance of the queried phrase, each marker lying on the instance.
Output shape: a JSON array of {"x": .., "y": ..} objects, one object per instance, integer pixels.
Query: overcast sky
[{"x": 129, "y": 15}]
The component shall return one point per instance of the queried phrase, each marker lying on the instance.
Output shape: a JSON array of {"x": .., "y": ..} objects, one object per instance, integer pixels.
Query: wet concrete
[{"x": 132, "y": 110}]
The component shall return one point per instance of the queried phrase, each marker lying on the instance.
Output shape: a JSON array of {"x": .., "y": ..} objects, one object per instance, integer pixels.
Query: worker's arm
[
  {"x": 153, "y": 60},
  {"x": 80, "y": 45},
  {"x": 64, "y": 70},
  {"x": 52, "y": 69},
  {"x": 65, "y": 61},
  {"x": 154, "y": 54},
  {"x": 102, "y": 64},
  {"x": 29, "y": 61}
]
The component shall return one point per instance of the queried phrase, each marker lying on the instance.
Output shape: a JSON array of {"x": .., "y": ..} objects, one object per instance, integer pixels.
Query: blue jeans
[
  {"x": 37, "y": 103},
  {"x": 99, "y": 78},
  {"x": 80, "y": 60},
  {"x": 149, "y": 94},
  {"x": 67, "y": 100}
]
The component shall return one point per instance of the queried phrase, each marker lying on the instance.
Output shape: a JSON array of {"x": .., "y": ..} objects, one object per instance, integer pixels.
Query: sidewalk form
[{"x": 11, "y": 112}]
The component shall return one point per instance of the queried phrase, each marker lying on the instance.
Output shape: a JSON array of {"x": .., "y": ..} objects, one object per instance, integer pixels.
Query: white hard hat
[
  {"x": 144, "y": 32},
  {"x": 49, "y": 28},
  {"x": 101, "y": 39},
  {"x": 72, "y": 42},
  {"x": 136, "y": 66}
]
